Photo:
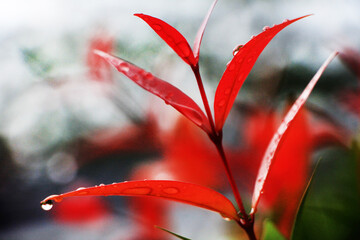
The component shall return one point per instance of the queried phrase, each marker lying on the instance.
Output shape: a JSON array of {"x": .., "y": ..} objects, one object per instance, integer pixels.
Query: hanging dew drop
[
  {"x": 46, "y": 206},
  {"x": 226, "y": 218}
]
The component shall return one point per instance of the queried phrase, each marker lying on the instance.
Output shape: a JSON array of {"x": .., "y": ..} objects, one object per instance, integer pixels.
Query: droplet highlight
[
  {"x": 124, "y": 67},
  {"x": 236, "y": 49},
  {"x": 225, "y": 218},
  {"x": 266, "y": 28},
  {"x": 46, "y": 206}
]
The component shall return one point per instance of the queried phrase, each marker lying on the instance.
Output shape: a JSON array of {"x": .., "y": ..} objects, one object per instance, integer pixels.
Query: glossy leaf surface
[
  {"x": 172, "y": 190},
  {"x": 169, "y": 93},
  {"x": 330, "y": 207},
  {"x": 200, "y": 33},
  {"x": 275, "y": 142},
  {"x": 171, "y": 36},
  {"x": 239, "y": 68}
]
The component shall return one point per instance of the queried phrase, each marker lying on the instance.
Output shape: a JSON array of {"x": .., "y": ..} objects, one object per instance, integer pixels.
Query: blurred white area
[
  {"x": 35, "y": 115},
  {"x": 38, "y": 105}
]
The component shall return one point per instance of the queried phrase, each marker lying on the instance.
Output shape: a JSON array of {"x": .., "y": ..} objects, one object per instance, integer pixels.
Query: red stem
[
  {"x": 204, "y": 98},
  {"x": 246, "y": 222}
]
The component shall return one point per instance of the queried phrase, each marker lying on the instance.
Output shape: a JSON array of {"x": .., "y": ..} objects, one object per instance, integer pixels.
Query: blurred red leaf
[
  {"x": 98, "y": 68},
  {"x": 239, "y": 68},
  {"x": 277, "y": 139},
  {"x": 200, "y": 33},
  {"x": 169, "y": 93},
  {"x": 188, "y": 193},
  {"x": 171, "y": 36},
  {"x": 292, "y": 163}
]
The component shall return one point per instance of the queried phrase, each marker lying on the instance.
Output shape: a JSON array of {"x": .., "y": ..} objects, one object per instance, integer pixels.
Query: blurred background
[{"x": 68, "y": 120}]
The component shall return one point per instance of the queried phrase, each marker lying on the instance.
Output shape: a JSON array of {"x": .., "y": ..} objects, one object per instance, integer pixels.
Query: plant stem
[
  {"x": 216, "y": 138},
  {"x": 204, "y": 98},
  {"x": 245, "y": 222},
  {"x": 220, "y": 148}
]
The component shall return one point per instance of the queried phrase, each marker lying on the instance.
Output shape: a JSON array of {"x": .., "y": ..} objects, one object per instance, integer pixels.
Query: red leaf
[
  {"x": 238, "y": 70},
  {"x": 275, "y": 142},
  {"x": 170, "y": 94},
  {"x": 200, "y": 33},
  {"x": 98, "y": 68},
  {"x": 171, "y": 36},
  {"x": 171, "y": 190}
]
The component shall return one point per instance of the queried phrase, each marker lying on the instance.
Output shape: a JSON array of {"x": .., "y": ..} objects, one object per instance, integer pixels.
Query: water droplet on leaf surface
[
  {"x": 225, "y": 218},
  {"x": 171, "y": 190},
  {"x": 221, "y": 103},
  {"x": 236, "y": 49},
  {"x": 185, "y": 50},
  {"x": 266, "y": 28},
  {"x": 47, "y": 205},
  {"x": 157, "y": 27}
]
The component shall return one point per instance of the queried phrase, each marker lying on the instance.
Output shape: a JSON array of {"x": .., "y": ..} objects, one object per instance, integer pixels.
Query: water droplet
[
  {"x": 170, "y": 190},
  {"x": 221, "y": 103},
  {"x": 135, "y": 77},
  {"x": 225, "y": 218},
  {"x": 286, "y": 20},
  {"x": 253, "y": 36},
  {"x": 148, "y": 76},
  {"x": 101, "y": 185},
  {"x": 169, "y": 96},
  {"x": 240, "y": 60},
  {"x": 195, "y": 117},
  {"x": 137, "y": 191},
  {"x": 157, "y": 27},
  {"x": 124, "y": 67},
  {"x": 266, "y": 28},
  {"x": 236, "y": 49},
  {"x": 80, "y": 188},
  {"x": 228, "y": 63},
  {"x": 47, "y": 205},
  {"x": 184, "y": 47}
]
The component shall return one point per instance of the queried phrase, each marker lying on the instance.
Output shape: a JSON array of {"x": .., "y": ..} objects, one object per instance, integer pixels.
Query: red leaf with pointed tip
[
  {"x": 273, "y": 146},
  {"x": 238, "y": 70},
  {"x": 188, "y": 193},
  {"x": 170, "y": 94},
  {"x": 200, "y": 33},
  {"x": 171, "y": 36}
]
